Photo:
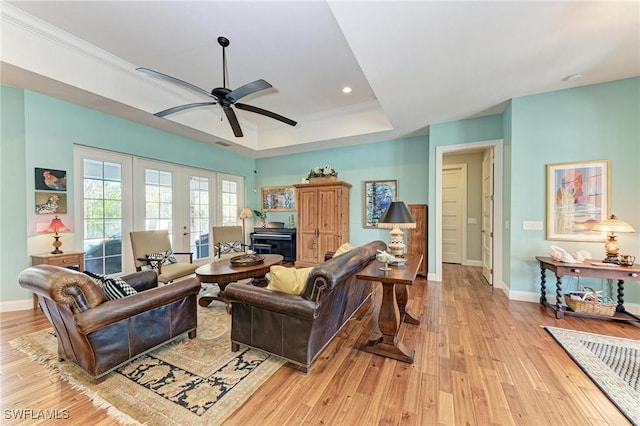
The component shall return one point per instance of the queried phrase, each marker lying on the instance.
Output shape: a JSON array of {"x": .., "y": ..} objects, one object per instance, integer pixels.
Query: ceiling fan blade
[
  {"x": 233, "y": 120},
  {"x": 182, "y": 108},
  {"x": 174, "y": 80},
  {"x": 257, "y": 110},
  {"x": 247, "y": 89}
]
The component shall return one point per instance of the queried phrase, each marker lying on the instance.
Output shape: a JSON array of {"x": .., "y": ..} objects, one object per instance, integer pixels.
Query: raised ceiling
[{"x": 410, "y": 64}]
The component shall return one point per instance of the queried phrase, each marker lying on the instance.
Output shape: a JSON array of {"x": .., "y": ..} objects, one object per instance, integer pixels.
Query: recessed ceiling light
[
  {"x": 346, "y": 89},
  {"x": 572, "y": 78}
]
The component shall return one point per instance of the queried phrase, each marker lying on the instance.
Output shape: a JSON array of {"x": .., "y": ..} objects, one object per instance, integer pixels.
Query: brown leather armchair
[{"x": 101, "y": 335}]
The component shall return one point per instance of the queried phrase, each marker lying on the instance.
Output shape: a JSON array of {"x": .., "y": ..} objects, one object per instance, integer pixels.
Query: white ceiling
[{"x": 410, "y": 64}]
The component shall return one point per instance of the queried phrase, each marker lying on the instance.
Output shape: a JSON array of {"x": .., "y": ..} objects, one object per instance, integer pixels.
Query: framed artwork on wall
[
  {"x": 279, "y": 198},
  {"x": 378, "y": 194},
  {"x": 577, "y": 199},
  {"x": 50, "y": 179},
  {"x": 51, "y": 203}
]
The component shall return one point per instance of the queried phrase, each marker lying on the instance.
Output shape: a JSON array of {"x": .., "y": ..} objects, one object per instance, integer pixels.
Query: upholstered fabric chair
[
  {"x": 148, "y": 249},
  {"x": 228, "y": 241},
  {"x": 101, "y": 335}
]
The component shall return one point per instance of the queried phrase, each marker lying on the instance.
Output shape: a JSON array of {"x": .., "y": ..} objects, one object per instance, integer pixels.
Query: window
[
  {"x": 121, "y": 193},
  {"x": 229, "y": 202}
]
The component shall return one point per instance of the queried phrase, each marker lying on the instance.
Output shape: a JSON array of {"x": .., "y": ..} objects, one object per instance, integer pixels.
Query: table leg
[
  {"x": 402, "y": 297},
  {"x": 620, "y": 306},
  {"x": 260, "y": 281},
  {"x": 389, "y": 323},
  {"x": 205, "y": 301},
  {"x": 543, "y": 285},
  {"x": 559, "y": 311}
]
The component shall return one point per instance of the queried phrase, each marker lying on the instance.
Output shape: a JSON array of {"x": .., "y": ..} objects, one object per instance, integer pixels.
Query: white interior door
[
  {"x": 452, "y": 213},
  {"x": 487, "y": 215}
]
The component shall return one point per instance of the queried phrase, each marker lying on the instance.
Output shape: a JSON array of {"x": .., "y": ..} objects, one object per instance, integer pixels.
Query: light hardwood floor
[{"x": 480, "y": 360}]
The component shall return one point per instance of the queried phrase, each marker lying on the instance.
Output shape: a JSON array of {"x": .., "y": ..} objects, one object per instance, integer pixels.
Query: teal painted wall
[
  {"x": 591, "y": 122},
  {"x": 13, "y": 195},
  {"x": 39, "y": 131},
  {"x": 403, "y": 159},
  {"x": 597, "y": 122}
]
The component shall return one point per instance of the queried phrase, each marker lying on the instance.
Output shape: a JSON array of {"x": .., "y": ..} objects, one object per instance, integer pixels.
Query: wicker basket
[{"x": 591, "y": 308}]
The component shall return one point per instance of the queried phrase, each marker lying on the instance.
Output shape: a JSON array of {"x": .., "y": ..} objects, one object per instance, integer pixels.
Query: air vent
[{"x": 225, "y": 144}]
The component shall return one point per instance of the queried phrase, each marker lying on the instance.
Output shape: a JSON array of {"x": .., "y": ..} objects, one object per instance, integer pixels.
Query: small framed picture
[
  {"x": 577, "y": 199},
  {"x": 50, "y": 179},
  {"x": 279, "y": 198},
  {"x": 378, "y": 194},
  {"x": 51, "y": 203}
]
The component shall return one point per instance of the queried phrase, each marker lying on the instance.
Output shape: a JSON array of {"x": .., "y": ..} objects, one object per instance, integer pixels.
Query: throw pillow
[
  {"x": 288, "y": 280},
  {"x": 231, "y": 247},
  {"x": 113, "y": 287},
  {"x": 343, "y": 249},
  {"x": 162, "y": 257}
]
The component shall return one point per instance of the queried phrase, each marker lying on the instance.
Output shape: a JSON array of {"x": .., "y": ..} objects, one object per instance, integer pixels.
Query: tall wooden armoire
[
  {"x": 323, "y": 220},
  {"x": 417, "y": 238}
]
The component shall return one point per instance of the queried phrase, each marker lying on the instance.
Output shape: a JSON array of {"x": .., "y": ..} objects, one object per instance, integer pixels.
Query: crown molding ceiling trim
[{"x": 65, "y": 59}]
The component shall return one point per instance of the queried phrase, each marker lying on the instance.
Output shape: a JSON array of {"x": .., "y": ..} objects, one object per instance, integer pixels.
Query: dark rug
[{"x": 613, "y": 363}]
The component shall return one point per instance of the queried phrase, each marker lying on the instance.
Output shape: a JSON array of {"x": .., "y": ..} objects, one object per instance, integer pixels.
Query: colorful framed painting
[
  {"x": 378, "y": 194},
  {"x": 50, "y": 179},
  {"x": 577, "y": 199},
  {"x": 279, "y": 198},
  {"x": 51, "y": 203}
]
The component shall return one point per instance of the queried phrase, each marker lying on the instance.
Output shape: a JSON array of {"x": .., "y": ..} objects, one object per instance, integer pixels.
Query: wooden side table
[
  {"x": 393, "y": 308},
  {"x": 66, "y": 259}
]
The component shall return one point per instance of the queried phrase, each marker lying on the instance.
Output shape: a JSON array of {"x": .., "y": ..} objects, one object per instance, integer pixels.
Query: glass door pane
[
  {"x": 199, "y": 216},
  {"x": 102, "y": 203},
  {"x": 158, "y": 200}
]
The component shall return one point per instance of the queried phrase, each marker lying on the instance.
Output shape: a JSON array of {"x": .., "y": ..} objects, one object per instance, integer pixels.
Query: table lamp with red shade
[{"x": 56, "y": 226}]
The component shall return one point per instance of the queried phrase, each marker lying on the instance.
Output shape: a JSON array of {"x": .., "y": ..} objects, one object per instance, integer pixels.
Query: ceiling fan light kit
[{"x": 222, "y": 96}]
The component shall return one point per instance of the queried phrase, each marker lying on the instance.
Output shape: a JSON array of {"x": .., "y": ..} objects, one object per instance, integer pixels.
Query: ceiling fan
[{"x": 222, "y": 95}]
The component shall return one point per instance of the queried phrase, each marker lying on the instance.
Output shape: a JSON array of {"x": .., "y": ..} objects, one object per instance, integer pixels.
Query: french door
[
  {"x": 121, "y": 193},
  {"x": 177, "y": 199}
]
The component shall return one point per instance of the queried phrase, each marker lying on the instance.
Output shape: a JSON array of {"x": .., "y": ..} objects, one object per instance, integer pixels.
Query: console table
[
  {"x": 393, "y": 308},
  {"x": 585, "y": 269}
]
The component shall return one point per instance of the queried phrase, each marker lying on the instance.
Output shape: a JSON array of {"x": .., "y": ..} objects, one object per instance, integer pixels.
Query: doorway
[{"x": 491, "y": 217}]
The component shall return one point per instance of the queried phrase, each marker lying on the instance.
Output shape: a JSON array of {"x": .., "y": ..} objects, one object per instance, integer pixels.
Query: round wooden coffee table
[{"x": 223, "y": 273}]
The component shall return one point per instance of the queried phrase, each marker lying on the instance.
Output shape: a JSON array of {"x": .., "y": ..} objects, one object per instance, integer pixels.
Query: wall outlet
[
  {"x": 532, "y": 225},
  {"x": 472, "y": 220}
]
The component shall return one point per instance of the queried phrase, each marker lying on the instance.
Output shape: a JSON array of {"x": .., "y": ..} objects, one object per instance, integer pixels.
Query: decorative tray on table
[{"x": 247, "y": 260}]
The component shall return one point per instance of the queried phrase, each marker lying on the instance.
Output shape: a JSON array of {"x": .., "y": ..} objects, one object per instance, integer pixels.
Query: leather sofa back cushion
[
  {"x": 288, "y": 280},
  {"x": 344, "y": 248}
]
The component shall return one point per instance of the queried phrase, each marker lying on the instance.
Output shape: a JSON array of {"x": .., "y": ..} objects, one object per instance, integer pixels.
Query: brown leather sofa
[
  {"x": 298, "y": 328},
  {"x": 100, "y": 335}
]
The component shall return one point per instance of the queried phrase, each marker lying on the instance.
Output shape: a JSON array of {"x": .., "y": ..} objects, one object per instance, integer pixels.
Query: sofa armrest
[
  {"x": 142, "y": 281},
  {"x": 62, "y": 285},
  {"x": 287, "y": 304},
  {"x": 119, "y": 309}
]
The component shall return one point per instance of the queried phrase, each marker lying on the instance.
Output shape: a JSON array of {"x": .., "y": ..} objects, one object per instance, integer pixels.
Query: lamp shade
[
  {"x": 246, "y": 212},
  {"x": 397, "y": 215},
  {"x": 56, "y": 226},
  {"x": 613, "y": 224}
]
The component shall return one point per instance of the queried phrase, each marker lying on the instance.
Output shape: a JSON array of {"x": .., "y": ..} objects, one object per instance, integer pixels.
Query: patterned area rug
[
  {"x": 188, "y": 382},
  {"x": 613, "y": 363}
]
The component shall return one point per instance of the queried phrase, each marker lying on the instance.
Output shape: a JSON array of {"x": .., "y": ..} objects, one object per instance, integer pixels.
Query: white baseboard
[
  {"x": 527, "y": 296},
  {"x": 468, "y": 262},
  {"x": 16, "y": 305}
]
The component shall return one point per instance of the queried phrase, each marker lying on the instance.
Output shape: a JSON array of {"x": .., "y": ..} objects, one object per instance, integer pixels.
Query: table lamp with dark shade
[
  {"x": 56, "y": 226},
  {"x": 611, "y": 225},
  {"x": 397, "y": 216}
]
